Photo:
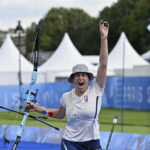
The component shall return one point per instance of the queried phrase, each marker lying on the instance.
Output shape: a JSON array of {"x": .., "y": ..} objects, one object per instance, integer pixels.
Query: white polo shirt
[{"x": 82, "y": 113}]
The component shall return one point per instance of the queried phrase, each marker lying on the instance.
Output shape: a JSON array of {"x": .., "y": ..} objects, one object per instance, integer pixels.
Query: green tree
[
  {"x": 78, "y": 24},
  {"x": 137, "y": 25},
  {"x": 125, "y": 15},
  {"x": 132, "y": 18},
  {"x": 115, "y": 15}
]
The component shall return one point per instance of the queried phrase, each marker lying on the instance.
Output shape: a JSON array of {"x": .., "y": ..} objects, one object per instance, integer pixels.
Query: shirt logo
[{"x": 86, "y": 98}]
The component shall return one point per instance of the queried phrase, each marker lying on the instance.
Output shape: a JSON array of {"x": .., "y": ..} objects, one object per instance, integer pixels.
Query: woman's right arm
[{"x": 54, "y": 113}]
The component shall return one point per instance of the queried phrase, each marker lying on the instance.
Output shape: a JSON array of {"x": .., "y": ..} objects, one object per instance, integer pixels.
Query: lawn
[{"x": 134, "y": 121}]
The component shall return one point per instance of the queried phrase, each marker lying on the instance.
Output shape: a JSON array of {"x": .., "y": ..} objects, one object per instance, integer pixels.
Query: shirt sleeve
[
  {"x": 62, "y": 100},
  {"x": 98, "y": 90},
  {"x": 98, "y": 87}
]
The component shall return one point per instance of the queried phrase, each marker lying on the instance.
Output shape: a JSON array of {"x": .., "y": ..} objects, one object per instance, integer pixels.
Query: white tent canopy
[
  {"x": 9, "y": 64},
  {"x": 123, "y": 55},
  {"x": 9, "y": 58},
  {"x": 93, "y": 59},
  {"x": 64, "y": 58},
  {"x": 146, "y": 55}
]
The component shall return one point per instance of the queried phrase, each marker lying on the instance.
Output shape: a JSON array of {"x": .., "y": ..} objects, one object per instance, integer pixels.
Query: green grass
[{"x": 134, "y": 121}]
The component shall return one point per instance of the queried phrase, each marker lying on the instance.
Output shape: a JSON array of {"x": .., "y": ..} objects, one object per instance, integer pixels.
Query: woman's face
[{"x": 80, "y": 81}]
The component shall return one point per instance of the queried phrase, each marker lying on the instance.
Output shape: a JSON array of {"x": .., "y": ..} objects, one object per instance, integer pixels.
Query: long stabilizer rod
[
  {"x": 112, "y": 130},
  {"x": 33, "y": 117}
]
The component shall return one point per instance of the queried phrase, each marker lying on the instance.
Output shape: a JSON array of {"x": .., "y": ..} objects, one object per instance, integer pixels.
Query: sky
[{"x": 29, "y": 11}]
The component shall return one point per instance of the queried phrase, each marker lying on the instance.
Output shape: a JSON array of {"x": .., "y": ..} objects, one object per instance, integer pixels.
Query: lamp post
[{"x": 19, "y": 30}]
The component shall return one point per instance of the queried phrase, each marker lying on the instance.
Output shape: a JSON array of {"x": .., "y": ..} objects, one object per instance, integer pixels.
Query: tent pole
[{"x": 123, "y": 82}]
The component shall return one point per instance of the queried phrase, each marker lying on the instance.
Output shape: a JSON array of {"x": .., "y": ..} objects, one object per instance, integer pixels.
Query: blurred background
[{"x": 69, "y": 34}]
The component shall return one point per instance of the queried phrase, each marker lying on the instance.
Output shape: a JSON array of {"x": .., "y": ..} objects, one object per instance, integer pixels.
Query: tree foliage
[
  {"x": 130, "y": 16},
  {"x": 78, "y": 24}
]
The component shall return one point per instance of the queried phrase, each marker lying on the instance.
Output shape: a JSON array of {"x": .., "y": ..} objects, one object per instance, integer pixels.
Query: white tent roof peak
[
  {"x": 146, "y": 55},
  {"x": 65, "y": 57},
  {"x": 124, "y": 55},
  {"x": 66, "y": 46},
  {"x": 9, "y": 58}
]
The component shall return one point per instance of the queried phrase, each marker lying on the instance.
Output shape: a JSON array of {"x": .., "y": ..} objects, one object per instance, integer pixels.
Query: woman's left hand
[{"x": 104, "y": 27}]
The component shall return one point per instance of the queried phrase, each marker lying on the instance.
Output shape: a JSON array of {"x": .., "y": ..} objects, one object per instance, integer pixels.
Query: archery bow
[{"x": 30, "y": 93}]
